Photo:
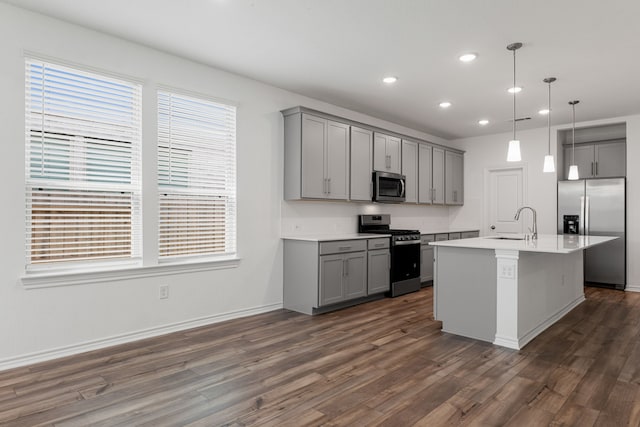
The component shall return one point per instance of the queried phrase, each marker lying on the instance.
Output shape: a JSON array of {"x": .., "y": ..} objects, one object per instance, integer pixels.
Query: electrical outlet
[{"x": 163, "y": 292}]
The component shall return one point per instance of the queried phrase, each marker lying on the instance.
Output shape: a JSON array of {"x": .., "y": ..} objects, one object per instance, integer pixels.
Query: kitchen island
[{"x": 507, "y": 290}]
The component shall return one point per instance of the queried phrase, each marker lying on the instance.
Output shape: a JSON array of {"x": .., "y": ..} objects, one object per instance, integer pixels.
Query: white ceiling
[{"x": 339, "y": 50}]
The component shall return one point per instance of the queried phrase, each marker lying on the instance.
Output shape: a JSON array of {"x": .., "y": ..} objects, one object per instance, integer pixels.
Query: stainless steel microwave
[{"x": 388, "y": 187}]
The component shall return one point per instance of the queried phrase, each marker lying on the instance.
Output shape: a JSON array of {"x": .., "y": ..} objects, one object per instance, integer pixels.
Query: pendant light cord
[
  {"x": 514, "y": 94},
  {"x": 549, "y": 123},
  {"x": 573, "y": 144}
]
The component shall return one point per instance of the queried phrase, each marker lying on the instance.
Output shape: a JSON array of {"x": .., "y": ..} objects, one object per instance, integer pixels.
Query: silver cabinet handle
[
  {"x": 592, "y": 170},
  {"x": 328, "y": 185},
  {"x": 324, "y": 185},
  {"x": 344, "y": 248},
  {"x": 596, "y": 168},
  {"x": 455, "y": 196},
  {"x": 346, "y": 267},
  {"x": 378, "y": 245}
]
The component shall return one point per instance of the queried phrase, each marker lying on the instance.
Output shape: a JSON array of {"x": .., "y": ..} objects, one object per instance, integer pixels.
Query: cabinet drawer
[
  {"x": 426, "y": 238},
  {"x": 378, "y": 243},
  {"x": 342, "y": 246},
  {"x": 469, "y": 234},
  {"x": 454, "y": 236},
  {"x": 441, "y": 237}
]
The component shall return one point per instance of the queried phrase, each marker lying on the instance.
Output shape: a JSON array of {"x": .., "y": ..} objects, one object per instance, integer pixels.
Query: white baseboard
[
  {"x": 42, "y": 356},
  {"x": 550, "y": 321},
  {"x": 632, "y": 288}
]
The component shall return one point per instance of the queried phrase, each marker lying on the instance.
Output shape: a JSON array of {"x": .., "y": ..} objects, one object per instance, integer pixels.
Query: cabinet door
[
  {"x": 394, "y": 148},
  {"x": 378, "y": 277},
  {"x": 410, "y": 170},
  {"x": 584, "y": 158},
  {"x": 424, "y": 173},
  {"x": 361, "y": 163},
  {"x": 355, "y": 278},
  {"x": 314, "y": 132},
  {"x": 611, "y": 160},
  {"x": 453, "y": 181},
  {"x": 331, "y": 279},
  {"x": 380, "y": 159},
  {"x": 426, "y": 263},
  {"x": 438, "y": 176},
  {"x": 337, "y": 161}
]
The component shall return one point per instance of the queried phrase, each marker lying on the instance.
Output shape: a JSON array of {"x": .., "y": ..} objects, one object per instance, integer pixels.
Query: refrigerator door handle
[
  {"x": 582, "y": 217},
  {"x": 586, "y": 216}
]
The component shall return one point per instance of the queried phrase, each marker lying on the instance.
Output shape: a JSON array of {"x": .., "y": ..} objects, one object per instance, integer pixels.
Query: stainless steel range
[{"x": 405, "y": 252}]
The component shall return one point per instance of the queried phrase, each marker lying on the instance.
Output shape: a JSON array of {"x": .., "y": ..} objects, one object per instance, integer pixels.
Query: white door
[{"x": 504, "y": 197}]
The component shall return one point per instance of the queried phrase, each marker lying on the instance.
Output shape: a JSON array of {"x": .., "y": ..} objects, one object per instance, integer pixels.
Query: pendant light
[
  {"x": 513, "y": 155},
  {"x": 573, "y": 169},
  {"x": 549, "y": 165}
]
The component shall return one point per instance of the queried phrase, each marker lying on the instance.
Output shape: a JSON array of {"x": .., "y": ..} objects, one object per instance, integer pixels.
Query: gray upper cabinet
[
  {"x": 425, "y": 174},
  {"x": 410, "y": 170},
  {"x": 316, "y": 158},
  {"x": 361, "y": 164},
  {"x": 611, "y": 159},
  {"x": 603, "y": 160},
  {"x": 438, "y": 176},
  {"x": 454, "y": 170},
  {"x": 386, "y": 153}
]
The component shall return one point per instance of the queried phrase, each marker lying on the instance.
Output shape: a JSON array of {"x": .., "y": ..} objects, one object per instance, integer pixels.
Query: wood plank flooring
[{"x": 385, "y": 363}]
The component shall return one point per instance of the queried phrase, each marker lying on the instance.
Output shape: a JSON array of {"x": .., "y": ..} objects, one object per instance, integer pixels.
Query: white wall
[
  {"x": 490, "y": 151},
  {"x": 37, "y": 324}
]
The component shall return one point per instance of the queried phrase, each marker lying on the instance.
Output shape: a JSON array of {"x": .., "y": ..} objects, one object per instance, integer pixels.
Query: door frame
[{"x": 523, "y": 167}]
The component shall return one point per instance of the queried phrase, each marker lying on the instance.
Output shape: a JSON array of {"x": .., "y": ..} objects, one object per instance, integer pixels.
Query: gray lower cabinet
[
  {"x": 386, "y": 153},
  {"x": 426, "y": 258},
  {"x": 342, "y": 277},
  {"x": 378, "y": 271},
  {"x": 469, "y": 234},
  {"x": 318, "y": 275}
]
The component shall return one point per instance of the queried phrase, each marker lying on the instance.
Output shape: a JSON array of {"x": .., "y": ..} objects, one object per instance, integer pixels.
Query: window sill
[{"x": 49, "y": 279}]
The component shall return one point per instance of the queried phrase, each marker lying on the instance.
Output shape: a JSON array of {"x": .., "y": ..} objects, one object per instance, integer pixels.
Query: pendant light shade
[
  {"x": 513, "y": 154},
  {"x": 549, "y": 164},
  {"x": 573, "y": 169},
  {"x": 573, "y": 173}
]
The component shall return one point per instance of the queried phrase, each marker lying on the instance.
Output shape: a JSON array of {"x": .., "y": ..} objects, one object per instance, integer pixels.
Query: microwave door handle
[{"x": 402, "y": 184}]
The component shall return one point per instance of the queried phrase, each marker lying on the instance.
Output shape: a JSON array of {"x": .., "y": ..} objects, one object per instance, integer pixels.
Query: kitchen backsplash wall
[{"x": 309, "y": 217}]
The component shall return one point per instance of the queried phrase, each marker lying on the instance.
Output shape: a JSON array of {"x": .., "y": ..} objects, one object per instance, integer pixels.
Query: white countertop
[
  {"x": 448, "y": 230},
  {"x": 335, "y": 237},
  {"x": 549, "y": 243}
]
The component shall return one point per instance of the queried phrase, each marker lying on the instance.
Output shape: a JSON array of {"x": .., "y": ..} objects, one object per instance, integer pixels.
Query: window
[
  {"x": 82, "y": 166},
  {"x": 196, "y": 177}
]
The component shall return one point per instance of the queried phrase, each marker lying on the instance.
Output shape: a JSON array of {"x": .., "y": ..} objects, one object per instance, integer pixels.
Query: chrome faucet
[{"x": 534, "y": 232}]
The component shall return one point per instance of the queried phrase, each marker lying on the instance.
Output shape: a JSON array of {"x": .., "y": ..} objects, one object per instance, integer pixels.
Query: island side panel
[
  {"x": 300, "y": 276},
  {"x": 549, "y": 286},
  {"x": 465, "y": 291}
]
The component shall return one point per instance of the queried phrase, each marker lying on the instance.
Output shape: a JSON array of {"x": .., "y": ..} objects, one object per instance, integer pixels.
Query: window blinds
[
  {"x": 196, "y": 177},
  {"x": 82, "y": 165}
]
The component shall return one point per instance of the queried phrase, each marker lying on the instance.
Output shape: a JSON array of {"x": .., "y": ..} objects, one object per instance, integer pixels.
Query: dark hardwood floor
[{"x": 382, "y": 363}]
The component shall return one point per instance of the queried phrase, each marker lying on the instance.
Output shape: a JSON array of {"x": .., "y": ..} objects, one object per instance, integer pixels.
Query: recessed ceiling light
[
  {"x": 514, "y": 89},
  {"x": 543, "y": 112},
  {"x": 390, "y": 79},
  {"x": 467, "y": 57},
  {"x": 483, "y": 122},
  {"x": 445, "y": 104}
]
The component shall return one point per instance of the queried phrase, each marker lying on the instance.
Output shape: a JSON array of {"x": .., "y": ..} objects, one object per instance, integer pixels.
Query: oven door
[
  {"x": 388, "y": 187},
  {"x": 405, "y": 260}
]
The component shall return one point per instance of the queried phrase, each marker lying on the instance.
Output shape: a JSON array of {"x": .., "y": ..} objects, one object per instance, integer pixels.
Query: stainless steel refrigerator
[{"x": 597, "y": 207}]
